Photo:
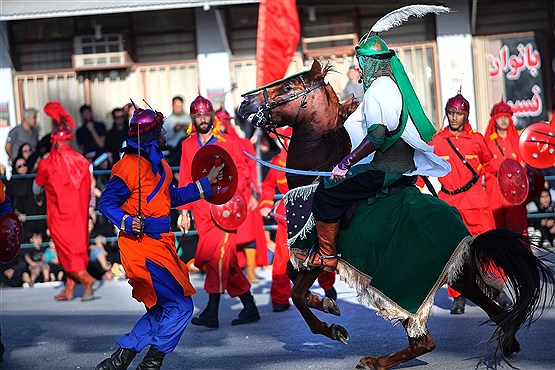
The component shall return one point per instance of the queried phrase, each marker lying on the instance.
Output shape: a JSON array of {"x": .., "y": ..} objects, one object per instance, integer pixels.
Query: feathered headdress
[
  {"x": 398, "y": 16},
  {"x": 56, "y": 111}
]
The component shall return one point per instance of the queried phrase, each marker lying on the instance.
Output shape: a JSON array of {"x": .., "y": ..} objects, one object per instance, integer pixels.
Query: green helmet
[{"x": 373, "y": 47}]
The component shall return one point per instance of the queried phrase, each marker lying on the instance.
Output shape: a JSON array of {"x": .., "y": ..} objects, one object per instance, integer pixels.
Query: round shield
[
  {"x": 537, "y": 145},
  {"x": 229, "y": 216},
  {"x": 536, "y": 183},
  {"x": 11, "y": 237},
  {"x": 512, "y": 181},
  {"x": 214, "y": 155}
]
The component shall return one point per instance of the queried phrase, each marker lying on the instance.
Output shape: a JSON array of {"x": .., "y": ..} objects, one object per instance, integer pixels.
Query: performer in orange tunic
[
  {"x": 462, "y": 187},
  {"x": 502, "y": 140},
  {"x": 250, "y": 235},
  {"x": 216, "y": 251},
  {"x": 137, "y": 199},
  {"x": 280, "y": 290},
  {"x": 65, "y": 176}
]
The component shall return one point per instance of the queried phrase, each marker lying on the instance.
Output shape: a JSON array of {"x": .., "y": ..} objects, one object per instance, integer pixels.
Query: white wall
[{"x": 454, "y": 46}]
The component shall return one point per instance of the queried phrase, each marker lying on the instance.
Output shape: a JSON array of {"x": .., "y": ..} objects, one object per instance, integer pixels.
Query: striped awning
[{"x": 11, "y": 10}]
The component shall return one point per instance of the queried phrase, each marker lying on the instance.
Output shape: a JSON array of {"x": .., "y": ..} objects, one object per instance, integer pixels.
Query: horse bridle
[{"x": 263, "y": 116}]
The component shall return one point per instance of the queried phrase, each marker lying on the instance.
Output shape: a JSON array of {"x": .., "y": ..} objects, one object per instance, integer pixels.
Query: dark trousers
[{"x": 338, "y": 203}]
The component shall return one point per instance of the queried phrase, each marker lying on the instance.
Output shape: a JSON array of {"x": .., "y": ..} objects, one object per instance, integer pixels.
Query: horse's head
[{"x": 290, "y": 101}]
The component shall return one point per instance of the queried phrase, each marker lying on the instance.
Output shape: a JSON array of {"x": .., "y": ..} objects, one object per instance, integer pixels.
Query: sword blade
[{"x": 288, "y": 170}]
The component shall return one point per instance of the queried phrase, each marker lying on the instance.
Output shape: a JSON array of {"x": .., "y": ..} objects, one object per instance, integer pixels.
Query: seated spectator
[
  {"x": 99, "y": 267},
  {"x": 51, "y": 257},
  {"x": 11, "y": 274},
  {"x": 36, "y": 260},
  {"x": 542, "y": 228}
]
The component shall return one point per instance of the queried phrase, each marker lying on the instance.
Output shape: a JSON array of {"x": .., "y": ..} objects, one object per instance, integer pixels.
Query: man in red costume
[
  {"x": 502, "y": 140},
  {"x": 65, "y": 177},
  {"x": 216, "y": 251},
  {"x": 137, "y": 199},
  {"x": 250, "y": 235},
  {"x": 469, "y": 156},
  {"x": 280, "y": 290}
]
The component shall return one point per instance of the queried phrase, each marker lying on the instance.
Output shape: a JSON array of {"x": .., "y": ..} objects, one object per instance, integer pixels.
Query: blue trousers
[{"x": 163, "y": 324}]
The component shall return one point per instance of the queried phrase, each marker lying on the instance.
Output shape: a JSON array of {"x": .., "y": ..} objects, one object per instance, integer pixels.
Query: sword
[{"x": 288, "y": 170}]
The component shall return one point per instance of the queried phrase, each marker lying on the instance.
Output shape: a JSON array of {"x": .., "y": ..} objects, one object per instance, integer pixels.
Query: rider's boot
[
  {"x": 326, "y": 257},
  {"x": 209, "y": 317},
  {"x": 119, "y": 360},
  {"x": 249, "y": 313}
]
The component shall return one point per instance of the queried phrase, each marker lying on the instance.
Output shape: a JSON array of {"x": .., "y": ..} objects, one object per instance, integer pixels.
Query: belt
[{"x": 464, "y": 188}]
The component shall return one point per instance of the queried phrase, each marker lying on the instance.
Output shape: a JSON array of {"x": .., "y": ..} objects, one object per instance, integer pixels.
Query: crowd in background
[{"x": 38, "y": 262}]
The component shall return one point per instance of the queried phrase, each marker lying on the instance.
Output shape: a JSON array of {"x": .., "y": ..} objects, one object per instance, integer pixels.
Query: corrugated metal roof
[{"x": 11, "y": 10}]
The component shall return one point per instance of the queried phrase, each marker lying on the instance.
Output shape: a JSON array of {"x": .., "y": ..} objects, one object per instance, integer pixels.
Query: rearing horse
[{"x": 377, "y": 254}]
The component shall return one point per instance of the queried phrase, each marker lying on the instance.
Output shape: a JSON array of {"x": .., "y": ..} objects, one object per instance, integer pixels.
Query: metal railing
[{"x": 177, "y": 233}]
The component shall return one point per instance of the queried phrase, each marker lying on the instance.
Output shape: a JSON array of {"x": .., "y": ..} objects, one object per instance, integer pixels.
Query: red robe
[
  {"x": 252, "y": 230},
  {"x": 505, "y": 214},
  {"x": 66, "y": 178},
  {"x": 472, "y": 204},
  {"x": 216, "y": 251},
  {"x": 280, "y": 290}
]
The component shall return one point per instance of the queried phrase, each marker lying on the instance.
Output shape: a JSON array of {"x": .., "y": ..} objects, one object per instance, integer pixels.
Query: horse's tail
[{"x": 531, "y": 281}]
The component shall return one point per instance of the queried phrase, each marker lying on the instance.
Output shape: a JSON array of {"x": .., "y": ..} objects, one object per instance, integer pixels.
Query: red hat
[
  {"x": 201, "y": 105},
  {"x": 64, "y": 121},
  {"x": 501, "y": 109},
  {"x": 458, "y": 103},
  {"x": 144, "y": 121}
]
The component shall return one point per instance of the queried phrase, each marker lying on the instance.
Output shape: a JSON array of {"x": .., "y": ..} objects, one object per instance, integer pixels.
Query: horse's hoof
[
  {"x": 330, "y": 306},
  {"x": 369, "y": 363},
  {"x": 339, "y": 333}
]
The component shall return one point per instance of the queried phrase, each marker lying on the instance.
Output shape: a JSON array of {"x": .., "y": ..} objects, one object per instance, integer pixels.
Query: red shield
[
  {"x": 214, "y": 155},
  {"x": 11, "y": 237},
  {"x": 536, "y": 183},
  {"x": 231, "y": 215},
  {"x": 512, "y": 181},
  {"x": 537, "y": 145}
]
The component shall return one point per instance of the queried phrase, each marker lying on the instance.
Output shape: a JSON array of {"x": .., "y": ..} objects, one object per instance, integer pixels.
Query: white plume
[{"x": 398, "y": 16}]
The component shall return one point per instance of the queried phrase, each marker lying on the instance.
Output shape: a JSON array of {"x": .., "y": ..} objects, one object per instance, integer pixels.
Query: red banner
[{"x": 277, "y": 38}]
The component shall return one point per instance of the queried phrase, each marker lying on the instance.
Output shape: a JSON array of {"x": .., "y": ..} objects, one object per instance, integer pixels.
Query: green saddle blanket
[{"x": 402, "y": 246}]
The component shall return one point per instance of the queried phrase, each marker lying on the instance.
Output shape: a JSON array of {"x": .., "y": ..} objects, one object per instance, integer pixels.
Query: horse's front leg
[
  {"x": 302, "y": 283},
  {"x": 417, "y": 347}
]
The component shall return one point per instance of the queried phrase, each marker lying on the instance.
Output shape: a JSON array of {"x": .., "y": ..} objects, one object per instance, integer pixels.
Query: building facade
[{"x": 104, "y": 53}]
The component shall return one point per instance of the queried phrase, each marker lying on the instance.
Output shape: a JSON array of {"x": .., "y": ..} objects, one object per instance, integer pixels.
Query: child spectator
[
  {"x": 36, "y": 260},
  {"x": 51, "y": 258}
]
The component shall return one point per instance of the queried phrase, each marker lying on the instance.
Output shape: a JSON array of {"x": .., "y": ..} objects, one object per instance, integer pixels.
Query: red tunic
[
  {"x": 66, "y": 178},
  {"x": 472, "y": 204},
  {"x": 135, "y": 250},
  {"x": 252, "y": 230},
  {"x": 216, "y": 251},
  {"x": 505, "y": 214}
]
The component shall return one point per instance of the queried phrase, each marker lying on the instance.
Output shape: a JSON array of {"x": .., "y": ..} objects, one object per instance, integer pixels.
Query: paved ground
[{"x": 40, "y": 333}]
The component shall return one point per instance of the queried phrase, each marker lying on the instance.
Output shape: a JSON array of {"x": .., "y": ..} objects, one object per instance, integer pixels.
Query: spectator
[
  {"x": 91, "y": 136},
  {"x": 19, "y": 190},
  {"x": 353, "y": 86},
  {"x": 543, "y": 229},
  {"x": 36, "y": 260},
  {"x": 51, "y": 257},
  {"x": 176, "y": 125},
  {"x": 26, "y": 132},
  {"x": 117, "y": 134}
]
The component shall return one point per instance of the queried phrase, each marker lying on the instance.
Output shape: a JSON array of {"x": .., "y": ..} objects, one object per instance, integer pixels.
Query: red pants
[
  {"x": 223, "y": 271},
  {"x": 281, "y": 285}
]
